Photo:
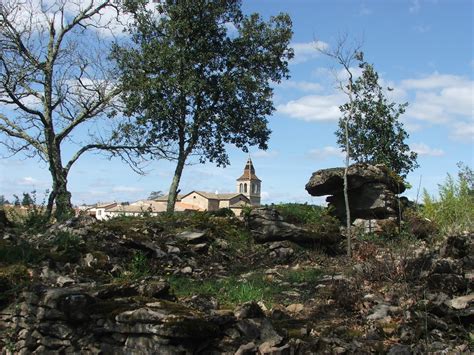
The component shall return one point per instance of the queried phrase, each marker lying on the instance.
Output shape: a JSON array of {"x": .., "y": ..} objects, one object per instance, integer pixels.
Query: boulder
[
  {"x": 331, "y": 181},
  {"x": 372, "y": 190},
  {"x": 369, "y": 201},
  {"x": 267, "y": 225}
]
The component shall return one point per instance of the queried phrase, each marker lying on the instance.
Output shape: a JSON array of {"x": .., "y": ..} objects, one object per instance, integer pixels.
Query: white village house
[{"x": 248, "y": 193}]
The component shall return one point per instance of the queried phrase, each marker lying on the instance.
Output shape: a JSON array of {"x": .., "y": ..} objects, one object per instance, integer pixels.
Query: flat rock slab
[
  {"x": 461, "y": 302},
  {"x": 192, "y": 237},
  {"x": 331, "y": 181}
]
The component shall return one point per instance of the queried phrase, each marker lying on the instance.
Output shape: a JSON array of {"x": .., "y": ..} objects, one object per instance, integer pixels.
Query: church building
[
  {"x": 247, "y": 193},
  {"x": 249, "y": 184},
  {"x": 248, "y": 190}
]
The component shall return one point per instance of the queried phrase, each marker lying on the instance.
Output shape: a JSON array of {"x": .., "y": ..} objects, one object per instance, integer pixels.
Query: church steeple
[{"x": 249, "y": 184}]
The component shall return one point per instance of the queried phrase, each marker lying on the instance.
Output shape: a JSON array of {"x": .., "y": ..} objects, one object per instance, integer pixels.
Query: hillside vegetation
[{"x": 408, "y": 289}]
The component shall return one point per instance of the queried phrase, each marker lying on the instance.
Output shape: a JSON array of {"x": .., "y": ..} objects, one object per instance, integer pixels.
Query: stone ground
[{"x": 202, "y": 285}]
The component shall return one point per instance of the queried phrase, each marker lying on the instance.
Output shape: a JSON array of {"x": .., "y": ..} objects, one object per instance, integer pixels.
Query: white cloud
[
  {"x": 415, "y": 6},
  {"x": 307, "y": 51},
  {"x": 302, "y": 85},
  {"x": 425, "y": 150},
  {"x": 337, "y": 76},
  {"x": 434, "y": 81},
  {"x": 326, "y": 152},
  {"x": 28, "y": 181},
  {"x": 126, "y": 189},
  {"x": 265, "y": 154},
  {"x": 314, "y": 107},
  {"x": 445, "y": 102},
  {"x": 463, "y": 131}
]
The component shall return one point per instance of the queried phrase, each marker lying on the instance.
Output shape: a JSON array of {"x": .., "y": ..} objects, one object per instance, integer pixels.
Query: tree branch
[{"x": 15, "y": 131}]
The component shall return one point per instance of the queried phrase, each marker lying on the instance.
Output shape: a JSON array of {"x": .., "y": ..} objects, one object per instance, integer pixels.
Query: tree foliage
[
  {"x": 376, "y": 135},
  {"x": 27, "y": 200},
  {"x": 453, "y": 209},
  {"x": 3, "y": 201},
  {"x": 199, "y": 75}
]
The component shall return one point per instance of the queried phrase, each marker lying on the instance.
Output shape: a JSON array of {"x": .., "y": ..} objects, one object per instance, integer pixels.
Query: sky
[{"x": 423, "y": 49}]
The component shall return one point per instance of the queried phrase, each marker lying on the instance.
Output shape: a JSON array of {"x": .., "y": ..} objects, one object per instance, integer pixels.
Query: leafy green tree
[
  {"x": 3, "y": 201},
  {"x": 375, "y": 133},
  {"x": 345, "y": 55},
  {"x": 27, "y": 200},
  {"x": 154, "y": 195},
  {"x": 16, "y": 200},
  {"x": 199, "y": 77}
]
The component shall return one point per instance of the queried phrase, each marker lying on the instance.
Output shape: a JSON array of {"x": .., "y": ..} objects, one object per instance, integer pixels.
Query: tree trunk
[
  {"x": 64, "y": 208},
  {"x": 173, "y": 194},
  {"x": 346, "y": 195},
  {"x": 59, "y": 193},
  {"x": 346, "y": 187}
]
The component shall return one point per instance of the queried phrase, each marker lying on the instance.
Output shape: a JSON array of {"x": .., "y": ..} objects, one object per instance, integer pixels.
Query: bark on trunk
[
  {"x": 346, "y": 187},
  {"x": 346, "y": 199},
  {"x": 173, "y": 194},
  {"x": 59, "y": 193}
]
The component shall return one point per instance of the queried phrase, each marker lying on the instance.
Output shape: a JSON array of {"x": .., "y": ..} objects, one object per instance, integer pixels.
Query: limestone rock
[
  {"x": 331, "y": 181},
  {"x": 372, "y": 190},
  {"x": 192, "y": 237},
  {"x": 248, "y": 310},
  {"x": 267, "y": 225},
  {"x": 461, "y": 302}
]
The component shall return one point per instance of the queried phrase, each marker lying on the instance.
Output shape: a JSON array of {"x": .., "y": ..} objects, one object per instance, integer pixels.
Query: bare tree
[
  {"x": 345, "y": 54},
  {"x": 57, "y": 89}
]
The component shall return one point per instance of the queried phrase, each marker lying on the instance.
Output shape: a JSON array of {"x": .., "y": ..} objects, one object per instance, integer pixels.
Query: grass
[
  {"x": 237, "y": 289},
  {"x": 303, "y": 275},
  {"x": 138, "y": 267}
]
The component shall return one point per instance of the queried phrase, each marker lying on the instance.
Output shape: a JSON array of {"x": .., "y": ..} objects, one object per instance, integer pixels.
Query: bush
[
  {"x": 23, "y": 253},
  {"x": 67, "y": 247},
  {"x": 32, "y": 216},
  {"x": 298, "y": 213},
  {"x": 223, "y": 212},
  {"x": 453, "y": 210},
  {"x": 419, "y": 226}
]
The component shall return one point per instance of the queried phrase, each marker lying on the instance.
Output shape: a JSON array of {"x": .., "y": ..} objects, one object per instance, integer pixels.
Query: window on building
[
  {"x": 241, "y": 189},
  {"x": 245, "y": 188}
]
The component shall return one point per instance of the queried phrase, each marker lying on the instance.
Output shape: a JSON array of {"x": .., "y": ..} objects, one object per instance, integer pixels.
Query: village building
[{"x": 248, "y": 193}]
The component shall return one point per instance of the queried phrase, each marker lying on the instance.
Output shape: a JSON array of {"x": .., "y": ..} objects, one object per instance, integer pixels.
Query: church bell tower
[{"x": 249, "y": 184}]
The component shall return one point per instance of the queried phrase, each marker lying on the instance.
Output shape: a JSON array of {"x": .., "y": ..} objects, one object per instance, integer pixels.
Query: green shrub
[
  {"x": 299, "y": 213},
  {"x": 12, "y": 279},
  {"x": 66, "y": 247},
  {"x": 22, "y": 253},
  {"x": 33, "y": 218},
  {"x": 419, "y": 226},
  {"x": 453, "y": 210},
  {"x": 137, "y": 267},
  {"x": 223, "y": 212}
]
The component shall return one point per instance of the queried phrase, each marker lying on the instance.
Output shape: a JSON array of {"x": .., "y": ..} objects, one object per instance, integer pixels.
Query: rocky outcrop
[
  {"x": 267, "y": 225},
  {"x": 80, "y": 319},
  {"x": 372, "y": 190}
]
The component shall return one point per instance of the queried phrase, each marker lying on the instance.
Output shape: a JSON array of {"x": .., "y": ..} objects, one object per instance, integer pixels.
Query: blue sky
[{"x": 422, "y": 49}]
